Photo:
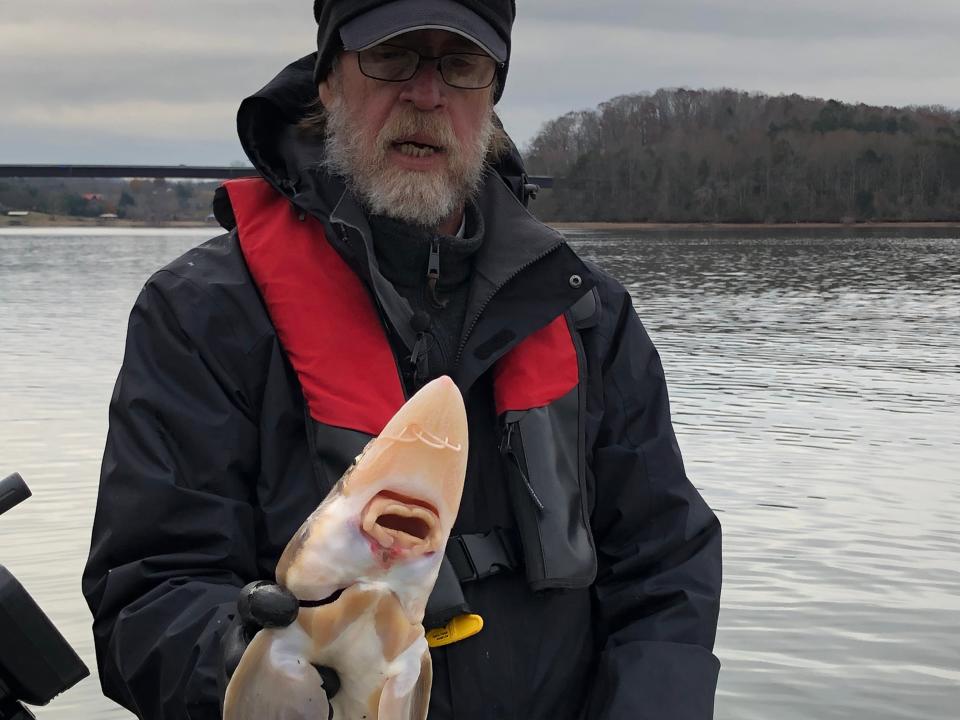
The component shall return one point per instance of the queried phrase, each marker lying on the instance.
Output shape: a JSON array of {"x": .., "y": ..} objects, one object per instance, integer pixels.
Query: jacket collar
[{"x": 522, "y": 281}]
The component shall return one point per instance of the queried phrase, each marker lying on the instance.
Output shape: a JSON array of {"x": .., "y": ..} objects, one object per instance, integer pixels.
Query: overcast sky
[{"x": 147, "y": 81}]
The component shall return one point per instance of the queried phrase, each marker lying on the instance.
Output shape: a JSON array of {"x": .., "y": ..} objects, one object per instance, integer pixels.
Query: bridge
[{"x": 197, "y": 172}]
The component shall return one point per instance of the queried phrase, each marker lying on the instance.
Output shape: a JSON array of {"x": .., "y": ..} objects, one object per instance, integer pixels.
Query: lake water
[{"x": 815, "y": 382}]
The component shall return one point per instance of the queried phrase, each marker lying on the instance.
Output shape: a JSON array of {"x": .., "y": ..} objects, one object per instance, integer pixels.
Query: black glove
[
  {"x": 260, "y": 604},
  {"x": 263, "y": 604}
]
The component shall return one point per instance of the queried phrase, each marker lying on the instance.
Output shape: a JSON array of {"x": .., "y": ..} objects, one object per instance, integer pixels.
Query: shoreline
[
  {"x": 907, "y": 225},
  {"x": 40, "y": 220}
]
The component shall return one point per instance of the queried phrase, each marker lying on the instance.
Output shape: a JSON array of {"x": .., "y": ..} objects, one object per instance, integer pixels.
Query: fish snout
[
  {"x": 435, "y": 416},
  {"x": 418, "y": 462}
]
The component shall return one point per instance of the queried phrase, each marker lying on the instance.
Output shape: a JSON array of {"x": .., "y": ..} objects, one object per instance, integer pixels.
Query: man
[{"x": 386, "y": 245}]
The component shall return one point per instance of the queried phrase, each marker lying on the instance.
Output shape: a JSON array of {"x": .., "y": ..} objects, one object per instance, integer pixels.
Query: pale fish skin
[{"x": 379, "y": 537}]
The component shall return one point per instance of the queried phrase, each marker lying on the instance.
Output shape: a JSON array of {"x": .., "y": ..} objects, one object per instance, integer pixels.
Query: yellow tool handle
[{"x": 460, "y": 628}]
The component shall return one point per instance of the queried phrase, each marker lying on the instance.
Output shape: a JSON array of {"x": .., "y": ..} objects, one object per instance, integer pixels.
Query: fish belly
[{"x": 383, "y": 664}]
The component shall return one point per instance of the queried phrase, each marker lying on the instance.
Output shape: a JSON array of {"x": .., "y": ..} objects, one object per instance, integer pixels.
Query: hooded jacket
[{"x": 213, "y": 460}]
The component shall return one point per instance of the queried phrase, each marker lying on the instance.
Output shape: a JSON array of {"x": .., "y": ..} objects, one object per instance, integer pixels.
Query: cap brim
[{"x": 388, "y": 21}]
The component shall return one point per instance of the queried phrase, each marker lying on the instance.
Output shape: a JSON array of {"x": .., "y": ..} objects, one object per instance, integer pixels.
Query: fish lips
[{"x": 401, "y": 527}]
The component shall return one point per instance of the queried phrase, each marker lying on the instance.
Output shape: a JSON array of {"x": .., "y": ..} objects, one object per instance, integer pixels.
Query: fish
[{"x": 362, "y": 566}]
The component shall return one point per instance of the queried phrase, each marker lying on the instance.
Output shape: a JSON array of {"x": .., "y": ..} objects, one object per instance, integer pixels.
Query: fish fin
[
  {"x": 402, "y": 700},
  {"x": 420, "y": 702},
  {"x": 274, "y": 681}
]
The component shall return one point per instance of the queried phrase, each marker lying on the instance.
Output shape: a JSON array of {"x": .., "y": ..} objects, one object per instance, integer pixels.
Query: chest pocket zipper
[{"x": 512, "y": 450}]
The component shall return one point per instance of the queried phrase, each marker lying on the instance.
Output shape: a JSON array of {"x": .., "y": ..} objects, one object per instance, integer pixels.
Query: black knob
[
  {"x": 420, "y": 322},
  {"x": 13, "y": 491}
]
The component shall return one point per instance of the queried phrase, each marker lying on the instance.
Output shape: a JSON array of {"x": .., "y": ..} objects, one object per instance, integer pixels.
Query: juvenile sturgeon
[{"x": 363, "y": 565}]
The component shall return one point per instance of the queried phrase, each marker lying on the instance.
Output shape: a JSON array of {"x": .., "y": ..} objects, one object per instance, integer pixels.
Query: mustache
[{"x": 407, "y": 122}]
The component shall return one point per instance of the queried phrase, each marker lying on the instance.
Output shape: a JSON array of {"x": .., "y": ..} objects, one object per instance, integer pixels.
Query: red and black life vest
[{"x": 328, "y": 325}]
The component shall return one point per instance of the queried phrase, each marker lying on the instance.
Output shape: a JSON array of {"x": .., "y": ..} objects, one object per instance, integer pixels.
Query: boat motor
[{"x": 36, "y": 663}]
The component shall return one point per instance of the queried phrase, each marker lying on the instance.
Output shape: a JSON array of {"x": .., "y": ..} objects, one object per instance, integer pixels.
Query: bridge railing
[{"x": 200, "y": 172}]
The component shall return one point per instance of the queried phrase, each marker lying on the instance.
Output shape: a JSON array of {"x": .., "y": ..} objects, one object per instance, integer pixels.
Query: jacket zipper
[
  {"x": 489, "y": 299},
  {"x": 433, "y": 274}
]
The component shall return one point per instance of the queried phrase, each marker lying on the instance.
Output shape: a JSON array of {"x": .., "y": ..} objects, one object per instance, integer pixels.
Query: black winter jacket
[{"x": 212, "y": 463}]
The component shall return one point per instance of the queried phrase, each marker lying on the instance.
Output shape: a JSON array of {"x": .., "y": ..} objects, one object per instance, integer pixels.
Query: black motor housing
[{"x": 36, "y": 662}]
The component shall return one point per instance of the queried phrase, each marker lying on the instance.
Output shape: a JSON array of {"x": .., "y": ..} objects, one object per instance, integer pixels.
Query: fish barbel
[{"x": 363, "y": 565}]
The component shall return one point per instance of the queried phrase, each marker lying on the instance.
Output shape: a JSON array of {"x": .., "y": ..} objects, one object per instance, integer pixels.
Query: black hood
[{"x": 267, "y": 126}]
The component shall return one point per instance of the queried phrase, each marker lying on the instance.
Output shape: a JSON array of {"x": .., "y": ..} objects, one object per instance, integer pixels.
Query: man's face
[{"x": 411, "y": 150}]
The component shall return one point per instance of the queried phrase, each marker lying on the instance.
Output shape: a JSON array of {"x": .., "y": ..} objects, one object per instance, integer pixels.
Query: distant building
[
  {"x": 93, "y": 197},
  {"x": 17, "y": 213},
  {"x": 108, "y": 216}
]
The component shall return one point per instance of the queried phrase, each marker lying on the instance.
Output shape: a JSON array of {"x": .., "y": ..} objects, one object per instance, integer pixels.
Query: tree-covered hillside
[
  {"x": 670, "y": 156},
  {"x": 728, "y": 156}
]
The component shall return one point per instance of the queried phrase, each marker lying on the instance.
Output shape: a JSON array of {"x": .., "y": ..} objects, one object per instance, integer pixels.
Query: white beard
[{"x": 420, "y": 198}]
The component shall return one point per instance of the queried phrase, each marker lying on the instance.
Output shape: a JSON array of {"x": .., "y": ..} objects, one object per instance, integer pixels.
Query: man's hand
[
  {"x": 260, "y": 604},
  {"x": 263, "y": 604}
]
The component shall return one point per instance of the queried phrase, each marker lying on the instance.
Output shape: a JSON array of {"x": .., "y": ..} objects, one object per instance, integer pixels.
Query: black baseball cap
[
  {"x": 356, "y": 24},
  {"x": 396, "y": 18}
]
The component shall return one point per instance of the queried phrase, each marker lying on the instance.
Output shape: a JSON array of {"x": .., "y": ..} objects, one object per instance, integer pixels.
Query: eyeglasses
[{"x": 463, "y": 70}]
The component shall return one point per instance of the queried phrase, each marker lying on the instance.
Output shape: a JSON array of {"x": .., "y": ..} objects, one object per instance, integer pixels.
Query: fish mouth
[{"x": 401, "y": 524}]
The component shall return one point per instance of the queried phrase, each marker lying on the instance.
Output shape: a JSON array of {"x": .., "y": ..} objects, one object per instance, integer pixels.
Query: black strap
[
  {"x": 446, "y": 601},
  {"x": 469, "y": 558},
  {"x": 480, "y": 555}
]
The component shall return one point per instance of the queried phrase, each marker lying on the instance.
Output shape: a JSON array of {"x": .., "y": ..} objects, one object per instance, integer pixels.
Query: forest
[{"x": 727, "y": 156}]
